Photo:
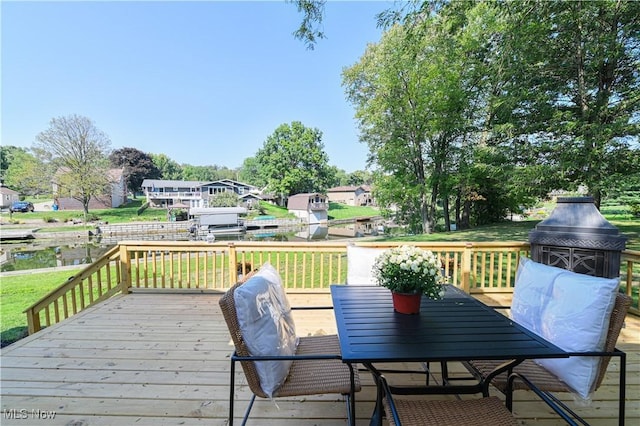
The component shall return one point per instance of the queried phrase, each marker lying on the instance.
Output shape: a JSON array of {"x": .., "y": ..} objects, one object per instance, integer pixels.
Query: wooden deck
[{"x": 163, "y": 359}]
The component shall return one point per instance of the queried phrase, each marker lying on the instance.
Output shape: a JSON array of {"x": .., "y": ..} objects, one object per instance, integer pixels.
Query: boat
[{"x": 211, "y": 221}]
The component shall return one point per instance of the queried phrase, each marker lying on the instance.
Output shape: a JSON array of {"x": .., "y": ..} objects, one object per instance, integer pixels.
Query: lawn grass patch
[
  {"x": 338, "y": 211},
  {"x": 18, "y": 292},
  {"x": 122, "y": 214}
]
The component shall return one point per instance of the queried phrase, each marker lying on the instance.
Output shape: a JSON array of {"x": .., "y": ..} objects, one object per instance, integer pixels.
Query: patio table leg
[{"x": 378, "y": 411}]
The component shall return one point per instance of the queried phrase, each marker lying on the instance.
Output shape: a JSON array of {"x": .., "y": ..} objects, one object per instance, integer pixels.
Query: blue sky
[{"x": 203, "y": 82}]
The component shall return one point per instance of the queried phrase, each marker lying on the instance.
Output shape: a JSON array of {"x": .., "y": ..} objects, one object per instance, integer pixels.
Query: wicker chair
[
  {"x": 459, "y": 412},
  {"x": 317, "y": 367},
  {"x": 548, "y": 382}
]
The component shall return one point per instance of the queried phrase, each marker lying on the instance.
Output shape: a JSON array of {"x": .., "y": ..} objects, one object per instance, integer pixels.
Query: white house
[
  {"x": 9, "y": 196},
  {"x": 311, "y": 207}
]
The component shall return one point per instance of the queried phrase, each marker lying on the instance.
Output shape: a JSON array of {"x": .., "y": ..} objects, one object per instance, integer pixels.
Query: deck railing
[
  {"x": 95, "y": 283},
  {"x": 478, "y": 267}
]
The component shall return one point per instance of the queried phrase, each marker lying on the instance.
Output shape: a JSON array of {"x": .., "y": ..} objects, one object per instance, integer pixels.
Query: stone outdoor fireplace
[{"x": 577, "y": 237}]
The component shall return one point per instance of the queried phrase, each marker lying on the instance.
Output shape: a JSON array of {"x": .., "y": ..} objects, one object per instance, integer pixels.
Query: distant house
[
  {"x": 166, "y": 193},
  {"x": 351, "y": 195},
  {"x": 116, "y": 196},
  {"x": 9, "y": 196},
  {"x": 250, "y": 200},
  {"x": 311, "y": 207}
]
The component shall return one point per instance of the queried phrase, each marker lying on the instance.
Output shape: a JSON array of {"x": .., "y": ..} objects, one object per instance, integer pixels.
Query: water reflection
[{"x": 35, "y": 255}]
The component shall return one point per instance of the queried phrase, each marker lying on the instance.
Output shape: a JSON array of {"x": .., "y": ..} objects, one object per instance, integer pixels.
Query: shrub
[{"x": 634, "y": 207}]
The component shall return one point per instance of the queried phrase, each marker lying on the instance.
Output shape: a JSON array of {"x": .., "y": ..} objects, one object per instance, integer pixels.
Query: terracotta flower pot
[{"x": 406, "y": 303}]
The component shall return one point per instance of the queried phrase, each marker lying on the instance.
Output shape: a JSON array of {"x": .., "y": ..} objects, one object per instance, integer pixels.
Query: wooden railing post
[
  {"x": 125, "y": 270},
  {"x": 233, "y": 264},
  {"x": 33, "y": 321},
  {"x": 466, "y": 267}
]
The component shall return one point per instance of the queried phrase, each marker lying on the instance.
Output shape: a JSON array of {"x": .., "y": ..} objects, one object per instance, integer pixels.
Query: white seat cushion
[
  {"x": 360, "y": 262},
  {"x": 266, "y": 323},
  {"x": 570, "y": 310}
]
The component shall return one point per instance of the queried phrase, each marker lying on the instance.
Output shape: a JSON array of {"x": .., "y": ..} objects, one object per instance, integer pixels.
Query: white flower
[{"x": 409, "y": 268}]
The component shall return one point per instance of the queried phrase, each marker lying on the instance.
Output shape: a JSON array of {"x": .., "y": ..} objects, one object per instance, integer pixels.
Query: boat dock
[{"x": 17, "y": 234}]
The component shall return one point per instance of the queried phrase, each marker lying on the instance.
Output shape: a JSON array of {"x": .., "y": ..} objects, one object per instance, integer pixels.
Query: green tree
[
  {"x": 550, "y": 87},
  {"x": 359, "y": 177},
  {"x": 250, "y": 173},
  {"x": 169, "y": 169},
  {"x": 24, "y": 172},
  {"x": 5, "y": 158},
  {"x": 207, "y": 173},
  {"x": 224, "y": 199},
  {"x": 80, "y": 150},
  {"x": 137, "y": 167},
  {"x": 411, "y": 103},
  {"x": 310, "y": 29},
  {"x": 292, "y": 160},
  {"x": 222, "y": 172},
  {"x": 340, "y": 177},
  {"x": 198, "y": 173},
  {"x": 571, "y": 85}
]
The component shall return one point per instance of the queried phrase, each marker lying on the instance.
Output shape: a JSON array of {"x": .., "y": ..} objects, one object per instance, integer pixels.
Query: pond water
[{"x": 36, "y": 254}]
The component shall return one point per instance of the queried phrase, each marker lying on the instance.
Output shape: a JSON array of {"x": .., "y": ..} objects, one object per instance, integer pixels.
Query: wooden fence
[{"x": 185, "y": 266}]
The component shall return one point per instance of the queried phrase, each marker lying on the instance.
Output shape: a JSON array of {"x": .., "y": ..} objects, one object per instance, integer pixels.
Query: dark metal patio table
[{"x": 456, "y": 328}]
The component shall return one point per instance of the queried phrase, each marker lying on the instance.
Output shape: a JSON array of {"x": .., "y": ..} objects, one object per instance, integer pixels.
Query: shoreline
[{"x": 41, "y": 270}]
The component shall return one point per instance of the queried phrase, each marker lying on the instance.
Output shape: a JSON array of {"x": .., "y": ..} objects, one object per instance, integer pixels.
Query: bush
[
  {"x": 634, "y": 207},
  {"x": 49, "y": 219}
]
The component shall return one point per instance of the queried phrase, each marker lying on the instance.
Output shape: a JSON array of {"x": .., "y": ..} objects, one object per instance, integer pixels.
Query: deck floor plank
[{"x": 163, "y": 359}]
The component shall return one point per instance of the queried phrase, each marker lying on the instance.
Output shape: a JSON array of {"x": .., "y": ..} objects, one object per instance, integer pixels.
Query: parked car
[{"x": 21, "y": 206}]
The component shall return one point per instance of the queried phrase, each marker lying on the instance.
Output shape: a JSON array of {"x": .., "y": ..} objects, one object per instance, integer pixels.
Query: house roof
[
  {"x": 251, "y": 195},
  {"x": 203, "y": 211},
  {"x": 160, "y": 183},
  {"x": 349, "y": 188},
  {"x": 301, "y": 201},
  {"x": 6, "y": 191}
]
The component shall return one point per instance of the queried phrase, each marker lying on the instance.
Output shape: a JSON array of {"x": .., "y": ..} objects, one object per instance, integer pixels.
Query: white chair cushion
[
  {"x": 532, "y": 291},
  {"x": 570, "y": 310},
  {"x": 360, "y": 262},
  {"x": 266, "y": 323}
]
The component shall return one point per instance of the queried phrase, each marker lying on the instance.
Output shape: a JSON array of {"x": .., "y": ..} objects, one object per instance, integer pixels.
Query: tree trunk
[
  {"x": 424, "y": 214},
  {"x": 457, "y": 213},
  {"x": 466, "y": 214},
  {"x": 445, "y": 210},
  {"x": 597, "y": 197}
]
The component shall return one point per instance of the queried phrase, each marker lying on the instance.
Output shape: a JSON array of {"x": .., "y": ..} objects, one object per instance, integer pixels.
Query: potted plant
[{"x": 409, "y": 272}]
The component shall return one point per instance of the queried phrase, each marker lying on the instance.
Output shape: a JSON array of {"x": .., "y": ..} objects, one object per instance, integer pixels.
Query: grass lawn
[
  {"x": 336, "y": 211},
  {"x": 128, "y": 213},
  {"x": 17, "y": 293},
  {"x": 339, "y": 211},
  {"x": 515, "y": 231}
]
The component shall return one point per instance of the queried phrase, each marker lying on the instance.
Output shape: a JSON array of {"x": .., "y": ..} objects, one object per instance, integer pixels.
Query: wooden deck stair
[{"x": 162, "y": 359}]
